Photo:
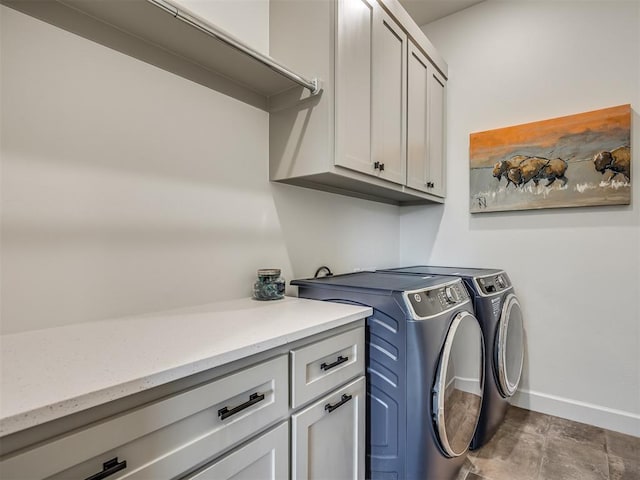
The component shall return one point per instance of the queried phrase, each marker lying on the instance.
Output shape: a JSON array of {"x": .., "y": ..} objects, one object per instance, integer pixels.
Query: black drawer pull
[
  {"x": 109, "y": 468},
  {"x": 345, "y": 398},
  {"x": 253, "y": 398},
  {"x": 328, "y": 366}
]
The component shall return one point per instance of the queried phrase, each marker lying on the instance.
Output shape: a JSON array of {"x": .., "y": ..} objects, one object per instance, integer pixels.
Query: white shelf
[{"x": 181, "y": 43}]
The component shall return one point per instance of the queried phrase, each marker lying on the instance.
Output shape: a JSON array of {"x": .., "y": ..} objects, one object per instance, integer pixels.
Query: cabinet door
[
  {"x": 266, "y": 458},
  {"x": 353, "y": 85},
  {"x": 328, "y": 436},
  {"x": 436, "y": 108},
  {"x": 389, "y": 98},
  {"x": 419, "y": 71},
  {"x": 425, "y": 125}
]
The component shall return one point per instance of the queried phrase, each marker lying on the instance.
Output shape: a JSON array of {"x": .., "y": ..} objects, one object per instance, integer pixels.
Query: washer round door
[
  {"x": 459, "y": 383},
  {"x": 509, "y": 346}
]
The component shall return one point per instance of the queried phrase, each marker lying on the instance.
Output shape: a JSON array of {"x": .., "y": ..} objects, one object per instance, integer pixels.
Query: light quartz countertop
[{"x": 50, "y": 373}]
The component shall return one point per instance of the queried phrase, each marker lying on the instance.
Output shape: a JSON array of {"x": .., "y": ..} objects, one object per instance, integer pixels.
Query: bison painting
[
  {"x": 578, "y": 160},
  {"x": 521, "y": 169},
  {"x": 617, "y": 160}
]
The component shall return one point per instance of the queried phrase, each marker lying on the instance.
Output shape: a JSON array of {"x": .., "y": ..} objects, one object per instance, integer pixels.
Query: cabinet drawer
[
  {"x": 168, "y": 437},
  {"x": 323, "y": 366},
  {"x": 265, "y": 458}
]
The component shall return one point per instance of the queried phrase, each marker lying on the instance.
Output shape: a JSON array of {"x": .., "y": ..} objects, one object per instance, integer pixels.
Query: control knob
[
  {"x": 452, "y": 294},
  {"x": 500, "y": 281}
]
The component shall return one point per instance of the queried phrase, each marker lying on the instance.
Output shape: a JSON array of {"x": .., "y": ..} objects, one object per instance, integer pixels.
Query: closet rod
[{"x": 312, "y": 85}]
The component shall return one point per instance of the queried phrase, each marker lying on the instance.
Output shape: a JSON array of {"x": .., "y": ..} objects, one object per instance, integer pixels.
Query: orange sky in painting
[{"x": 485, "y": 148}]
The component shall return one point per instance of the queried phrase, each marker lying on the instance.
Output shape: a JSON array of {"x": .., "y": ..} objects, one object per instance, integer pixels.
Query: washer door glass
[
  {"x": 459, "y": 384},
  {"x": 510, "y": 346}
]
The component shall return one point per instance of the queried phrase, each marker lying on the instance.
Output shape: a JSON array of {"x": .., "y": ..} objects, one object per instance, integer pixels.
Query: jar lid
[{"x": 269, "y": 272}]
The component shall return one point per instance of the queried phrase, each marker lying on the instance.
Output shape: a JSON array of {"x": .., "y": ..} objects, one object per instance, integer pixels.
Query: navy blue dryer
[
  {"x": 419, "y": 421},
  {"x": 498, "y": 310}
]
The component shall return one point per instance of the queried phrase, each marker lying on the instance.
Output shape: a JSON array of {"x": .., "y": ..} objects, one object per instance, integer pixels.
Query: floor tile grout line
[{"x": 544, "y": 449}]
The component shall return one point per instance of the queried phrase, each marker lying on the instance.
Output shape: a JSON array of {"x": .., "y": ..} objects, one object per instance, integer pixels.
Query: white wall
[
  {"x": 243, "y": 19},
  {"x": 576, "y": 271},
  {"x": 127, "y": 189}
]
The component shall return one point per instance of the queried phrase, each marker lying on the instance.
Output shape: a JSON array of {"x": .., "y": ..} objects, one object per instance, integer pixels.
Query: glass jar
[{"x": 269, "y": 285}]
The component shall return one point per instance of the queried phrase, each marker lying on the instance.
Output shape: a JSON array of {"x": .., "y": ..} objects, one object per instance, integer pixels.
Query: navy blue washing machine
[
  {"x": 420, "y": 420},
  {"x": 498, "y": 310}
]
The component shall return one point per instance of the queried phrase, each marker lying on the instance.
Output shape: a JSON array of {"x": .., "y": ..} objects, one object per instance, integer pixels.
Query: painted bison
[
  {"x": 521, "y": 169},
  {"x": 538, "y": 168},
  {"x": 503, "y": 166},
  {"x": 617, "y": 160}
]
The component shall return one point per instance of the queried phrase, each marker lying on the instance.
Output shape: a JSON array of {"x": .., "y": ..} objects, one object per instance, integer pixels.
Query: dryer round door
[
  {"x": 459, "y": 383},
  {"x": 509, "y": 346}
]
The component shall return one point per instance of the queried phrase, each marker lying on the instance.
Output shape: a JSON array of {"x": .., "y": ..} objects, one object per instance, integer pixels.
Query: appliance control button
[
  {"x": 500, "y": 281},
  {"x": 452, "y": 294}
]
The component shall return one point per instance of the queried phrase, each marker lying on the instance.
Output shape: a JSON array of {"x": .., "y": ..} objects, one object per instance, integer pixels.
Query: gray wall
[
  {"x": 577, "y": 271},
  {"x": 127, "y": 189}
]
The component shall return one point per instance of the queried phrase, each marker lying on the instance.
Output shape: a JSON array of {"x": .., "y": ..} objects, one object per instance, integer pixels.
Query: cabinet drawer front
[
  {"x": 266, "y": 458},
  {"x": 323, "y": 366},
  {"x": 328, "y": 437},
  {"x": 165, "y": 438}
]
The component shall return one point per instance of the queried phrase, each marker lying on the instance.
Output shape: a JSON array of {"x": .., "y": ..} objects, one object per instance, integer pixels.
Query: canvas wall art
[{"x": 573, "y": 161}]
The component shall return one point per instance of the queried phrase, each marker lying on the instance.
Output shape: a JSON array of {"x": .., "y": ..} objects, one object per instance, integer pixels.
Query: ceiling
[{"x": 425, "y": 11}]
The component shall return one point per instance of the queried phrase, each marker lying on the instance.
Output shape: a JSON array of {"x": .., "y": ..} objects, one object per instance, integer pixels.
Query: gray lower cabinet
[
  {"x": 235, "y": 425},
  {"x": 328, "y": 436},
  {"x": 265, "y": 458}
]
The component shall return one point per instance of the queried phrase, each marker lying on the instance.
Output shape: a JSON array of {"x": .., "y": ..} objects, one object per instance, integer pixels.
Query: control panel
[
  {"x": 431, "y": 302},
  {"x": 494, "y": 283}
]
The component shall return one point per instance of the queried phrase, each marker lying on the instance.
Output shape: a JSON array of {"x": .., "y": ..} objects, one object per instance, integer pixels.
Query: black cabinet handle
[
  {"x": 376, "y": 165},
  {"x": 329, "y": 366},
  {"x": 109, "y": 468},
  {"x": 253, "y": 399},
  {"x": 345, "y": 398},
  {"x": 381, "y": 167}
]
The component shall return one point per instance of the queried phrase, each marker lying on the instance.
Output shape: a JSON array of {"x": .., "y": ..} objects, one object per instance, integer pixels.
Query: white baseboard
[
  {"x": 469, "y": 385},
  {"x": 609, "y": 418}
]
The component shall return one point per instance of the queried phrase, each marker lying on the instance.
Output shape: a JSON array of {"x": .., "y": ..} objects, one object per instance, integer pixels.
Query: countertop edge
[{"x": 31, "y": 418}]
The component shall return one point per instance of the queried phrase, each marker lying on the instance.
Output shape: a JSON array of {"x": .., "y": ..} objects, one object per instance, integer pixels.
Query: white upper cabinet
[
  {"x": 425, "y": 125},
  {"x": 389, "y": 118},
  {"x": 437, "y": 158},
  {"x": 353, "y": 84},
  {"x": 360, "y": 136}
]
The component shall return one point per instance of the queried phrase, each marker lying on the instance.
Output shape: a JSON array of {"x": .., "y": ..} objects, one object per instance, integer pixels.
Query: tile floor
[{"x": 534, "y": 446}]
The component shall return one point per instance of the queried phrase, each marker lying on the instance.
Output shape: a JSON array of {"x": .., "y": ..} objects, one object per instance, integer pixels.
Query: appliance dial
[
  {"x": 500, "y": 281},
  {"x": 452, "y": 294}
]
